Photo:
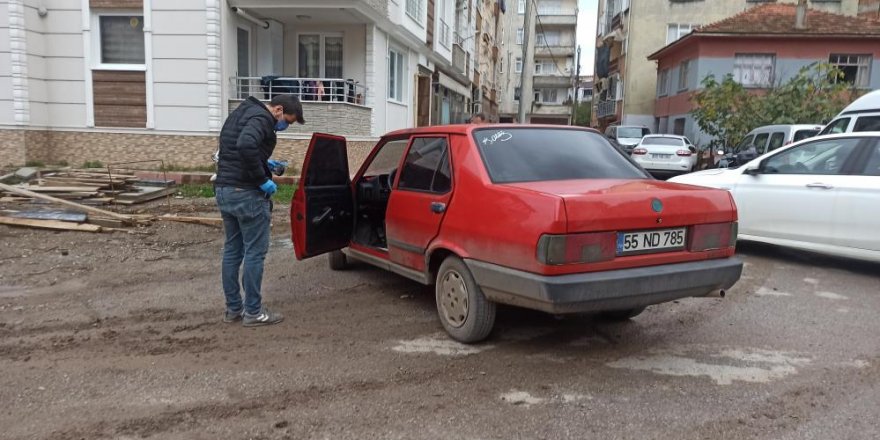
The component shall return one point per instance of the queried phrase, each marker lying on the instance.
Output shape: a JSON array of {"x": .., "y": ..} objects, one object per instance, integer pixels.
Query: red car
[{"x": 544, "y": 217}]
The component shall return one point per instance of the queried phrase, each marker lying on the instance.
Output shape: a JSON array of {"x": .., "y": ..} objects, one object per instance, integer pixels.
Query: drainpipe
[
  {"x": 626, "y": 60},
  {"x": 800, "y": 21}
]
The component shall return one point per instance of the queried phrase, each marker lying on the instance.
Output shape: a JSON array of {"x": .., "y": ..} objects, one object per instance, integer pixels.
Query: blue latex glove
[
  {"x": 273, "y": 163},
  {"x": 269, "y": 187}
]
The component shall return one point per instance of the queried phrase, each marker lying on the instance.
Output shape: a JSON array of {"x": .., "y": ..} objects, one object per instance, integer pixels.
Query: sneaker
[
  {"x": 265, "y": 317},
  {"x": 230, "y": 317}
]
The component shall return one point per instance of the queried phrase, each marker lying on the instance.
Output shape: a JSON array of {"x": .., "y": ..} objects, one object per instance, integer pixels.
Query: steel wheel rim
[{"x": 454, "y": 298}]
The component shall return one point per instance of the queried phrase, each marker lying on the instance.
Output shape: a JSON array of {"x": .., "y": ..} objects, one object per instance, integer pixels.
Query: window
[
  {"x": 546, "y": 154},
  {"x": 121, "y": 39},
  {"x": 320, "y": 56},
  {"x": 819, "y": 157},
  {"x": 387, "y": 159},
  {"x": 678, "y": 126},
  {"x": 547, "y": 96},
  {"x": 550, "y": 7},
  {"x": 836, "y": 126},
  {"x": 760, "y": 143},
  {"x": 414, "y": 9},
  {"x": 804, "y": 134},
  {"x": 754, "y": 70},
  {"x": 856, "y": 68},
  {"x": 667, "y": 141},
  {"x": 427, "y": 166},
  {"x": 516, "y": 94},
  {"x": 396, "y": 75},
  {"x": 776, "y": 140},
  {"x": 517, "y": 66},
  {"x": 684, "y": 71},
  {"x": 663, "y": 83},
  {"x": 675, "y": 31},
  {"x": 867, "y": 123},
  {"x": 519, "y": 36},
  {"x": 244, "y": 52},
  {"x": 872, "y": 168},
  {"x": 545, "y": 68},
  {"x": 521, "y": 7}
]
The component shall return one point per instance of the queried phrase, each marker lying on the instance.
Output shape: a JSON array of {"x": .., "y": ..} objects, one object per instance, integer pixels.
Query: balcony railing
[
  {"x": 306, "y": 89},
  {"x": 606, "y": 108}
]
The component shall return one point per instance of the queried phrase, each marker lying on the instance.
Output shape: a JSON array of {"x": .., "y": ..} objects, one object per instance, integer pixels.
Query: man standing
[
  {"x": 478, "y": 118},
  {"x": 243, "y": 188}
]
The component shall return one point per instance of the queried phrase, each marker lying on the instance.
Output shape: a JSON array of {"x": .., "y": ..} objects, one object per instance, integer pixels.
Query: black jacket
[{"x": 247, "y": 141}]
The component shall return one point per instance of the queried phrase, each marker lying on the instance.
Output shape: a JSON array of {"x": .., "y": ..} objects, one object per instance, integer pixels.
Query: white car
[
  {"x": 821, "y": 194},
  {"x": 665, "y": 153}
]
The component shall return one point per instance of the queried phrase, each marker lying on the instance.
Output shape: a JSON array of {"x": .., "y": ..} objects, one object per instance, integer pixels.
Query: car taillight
[
  {"x": 640, "y": 150},
  {"x": 684, "y": 153},
  {"x": 712, "y": 236},
  {"x": 577, "y": 248}
]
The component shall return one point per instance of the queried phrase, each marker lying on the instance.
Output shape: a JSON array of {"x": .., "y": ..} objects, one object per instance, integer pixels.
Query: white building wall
[
  {"x": 7, "y": 114},
  {"x": 180, "y": 65}
]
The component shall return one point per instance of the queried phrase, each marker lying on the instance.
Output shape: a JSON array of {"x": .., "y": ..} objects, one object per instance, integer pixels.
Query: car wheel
[
  {"x": 622, "y": 315},
  {"x": 466, "y": 314},
  {"x": 338, "y": 260}
]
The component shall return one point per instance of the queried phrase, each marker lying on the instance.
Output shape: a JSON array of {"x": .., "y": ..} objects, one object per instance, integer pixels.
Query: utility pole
[
  {"x": 575, "y": 104},
  {"x": 526, "y": 88}
]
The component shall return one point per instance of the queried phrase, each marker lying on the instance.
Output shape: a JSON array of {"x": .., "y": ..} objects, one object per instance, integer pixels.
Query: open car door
[{"x": 322, "y": 209}]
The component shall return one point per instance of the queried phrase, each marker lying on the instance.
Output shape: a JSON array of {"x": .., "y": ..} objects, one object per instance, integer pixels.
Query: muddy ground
[{"x": 120, "y": 336}]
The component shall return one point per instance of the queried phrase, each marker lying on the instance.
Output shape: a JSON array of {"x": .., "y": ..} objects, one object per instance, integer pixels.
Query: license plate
[
  {"x": 661, "y": 156},
  {"x": 643, "y": 242}
]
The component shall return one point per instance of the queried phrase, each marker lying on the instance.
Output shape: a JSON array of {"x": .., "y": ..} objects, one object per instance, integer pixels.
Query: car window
[
  {"x": 804, "y": 134},
  {"x": 760, "y": 143},
  {"x": 867, "y": 123},
  {"x": 745, "y": 143},
  {"x": 630, "y": 132},
  {"x": 545, "y": 154},
  {"x": 836, "y": 126},
  {"x": 645, "y": 132},
  {"x": 776, "y": 141},
  {"x": 820, "y": 157},
  {"x": 425, "y": 160},
  {"x": 674, "y": 142},
  {"x": 388, "y": 158},
  {"x": 872, "y": 168}
]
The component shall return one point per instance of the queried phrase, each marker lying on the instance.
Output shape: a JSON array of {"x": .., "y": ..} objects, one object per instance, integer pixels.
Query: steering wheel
[{"x": 391, "y": 178}]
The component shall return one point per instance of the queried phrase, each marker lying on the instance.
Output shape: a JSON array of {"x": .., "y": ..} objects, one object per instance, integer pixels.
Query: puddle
[{"x": 439, "y": 344}]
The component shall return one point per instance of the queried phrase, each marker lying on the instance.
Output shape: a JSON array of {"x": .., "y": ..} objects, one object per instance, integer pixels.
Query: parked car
[
  {"x": 544, "y": 217},
  {"x": 665, "y": 153},
  {"x": 821, "y": 194},
  {"x": 764, "y": 139},
  {"x": 626, "y": 136},
  {"x": 862, "y": 115}
]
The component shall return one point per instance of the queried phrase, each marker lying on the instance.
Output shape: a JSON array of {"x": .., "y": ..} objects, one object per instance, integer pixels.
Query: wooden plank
[
  {"x": 116, "y": 4},
  {"x": 106, "y": 222},
  {"x": 24, "y": 192},
  {"x": 119, "y": 98},
  {"x": 151, "y": 193},
  {"x": 63, "y": 216},
  {"x": 62, "y": 189},
  {"x": 49, "y": 224},
  {"x": 119, "y": 76},
  {"x": 207, "y": 221}
]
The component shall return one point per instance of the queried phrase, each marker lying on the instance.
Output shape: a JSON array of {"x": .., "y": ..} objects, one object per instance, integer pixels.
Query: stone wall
[
  {"x": 330, "y": 117},
  {"x": 75, "y": 148}
]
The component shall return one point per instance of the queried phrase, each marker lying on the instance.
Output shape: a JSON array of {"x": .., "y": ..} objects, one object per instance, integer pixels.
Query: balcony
[
  {"x": 605, "y": 109},
  {"x": 558, "y": 19},
  {"x": 557, "y": 49},
  {"x": 330, "y": 105},
  {"x": 554, "y": 80},
  {"x": 551, "y": 109}
]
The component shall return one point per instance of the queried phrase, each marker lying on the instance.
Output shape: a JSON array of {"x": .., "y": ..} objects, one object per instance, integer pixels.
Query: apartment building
[
  {"x": 555, "y": 48},
  {"x": 489, "y": 35},
  {"x": 631, "y": 30},
  {"x": 120, "y": 80}
]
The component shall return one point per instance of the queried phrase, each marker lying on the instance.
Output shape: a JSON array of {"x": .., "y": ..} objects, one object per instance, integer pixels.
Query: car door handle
[
  {"x": 438, "y": 207},
  {"x": 819, "y": 185},
  {"x": 323, "y": 216}
]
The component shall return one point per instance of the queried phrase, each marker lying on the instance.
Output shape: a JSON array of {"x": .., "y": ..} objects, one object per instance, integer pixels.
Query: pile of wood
[{"x": 93, "y": 187}]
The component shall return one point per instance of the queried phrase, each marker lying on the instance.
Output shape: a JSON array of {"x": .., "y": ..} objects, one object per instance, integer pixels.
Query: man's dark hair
[{"x": 290, "y": 105}]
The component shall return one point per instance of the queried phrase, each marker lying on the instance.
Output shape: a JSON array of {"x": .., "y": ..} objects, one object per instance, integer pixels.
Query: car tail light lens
[
  {"x": 684, "y": 153},
  {"x": 712, "y": 236},
  {"x": 577, "y": 248},
  {"x": 640, "y": 151}
]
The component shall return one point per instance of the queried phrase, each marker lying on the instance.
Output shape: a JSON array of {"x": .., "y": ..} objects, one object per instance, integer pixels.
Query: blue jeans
[{"x": 246, "y": 219}]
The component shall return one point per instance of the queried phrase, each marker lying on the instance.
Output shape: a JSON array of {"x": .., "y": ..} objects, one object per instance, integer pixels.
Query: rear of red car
[{"x": 626, "y": 240}]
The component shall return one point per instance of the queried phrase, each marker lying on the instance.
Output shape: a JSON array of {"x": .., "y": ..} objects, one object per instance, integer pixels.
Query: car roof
[
  {"x": 787, "y": 126},
  {"x": 466, "y": 129},
  {"x": 867, "y": 102},
  {"x": 675, "y": 136}
]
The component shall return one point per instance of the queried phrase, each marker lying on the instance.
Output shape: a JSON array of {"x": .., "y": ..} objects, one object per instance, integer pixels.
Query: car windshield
[
  {"x": 744, "y": 144},
  {"x": 631, "y": 132},
  {"x": 674, "y": 142},
  {"x": 544, "y": 154}
]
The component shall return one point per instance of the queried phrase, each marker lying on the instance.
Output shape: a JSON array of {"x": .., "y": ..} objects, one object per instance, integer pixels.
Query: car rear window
[
  {"x": 674, "y": 142},
  {"x": 631, "y": 132},
  {"x": 543, "y": 154},
  {"x": 804, "y": 134}
]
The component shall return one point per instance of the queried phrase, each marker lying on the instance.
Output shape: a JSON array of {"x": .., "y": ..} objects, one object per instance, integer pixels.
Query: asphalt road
[{"x": 133, "y": 348}]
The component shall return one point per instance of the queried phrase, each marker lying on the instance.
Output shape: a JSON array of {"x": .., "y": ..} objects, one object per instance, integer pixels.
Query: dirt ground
[{"x": 118, "y": 335}]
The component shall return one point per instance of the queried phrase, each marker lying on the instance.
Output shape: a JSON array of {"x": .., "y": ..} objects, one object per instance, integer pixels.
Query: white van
[
  {"x": 862, "y": 115},
  {"x": 626, "y": 136},
  {"x": 764, "y": 139}
]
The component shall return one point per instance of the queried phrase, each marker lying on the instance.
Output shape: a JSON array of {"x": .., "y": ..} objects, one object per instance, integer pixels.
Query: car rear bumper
[
  {"x": 609, "y": 290},
  {"x": 680, "y": 166}
]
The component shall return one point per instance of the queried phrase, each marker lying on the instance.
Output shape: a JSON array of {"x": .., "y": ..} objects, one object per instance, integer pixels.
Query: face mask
[{"x": 281, "y": 125}]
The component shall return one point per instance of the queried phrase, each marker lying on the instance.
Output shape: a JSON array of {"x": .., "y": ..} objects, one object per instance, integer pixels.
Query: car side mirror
[
  {"x": 753, "y": 169},
  {"x": 693, "y": 149}
]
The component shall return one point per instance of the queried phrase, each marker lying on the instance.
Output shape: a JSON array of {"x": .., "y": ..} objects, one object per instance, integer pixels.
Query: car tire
[
  {"x": 466, "y": 314},
  {"x": 622, "y": 315},
  {"x": 337, "y": 260}
]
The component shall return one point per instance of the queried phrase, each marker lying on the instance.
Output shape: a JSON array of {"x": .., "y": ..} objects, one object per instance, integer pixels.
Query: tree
[
  {"x": 583, "y": 114},
  {"x": 727, "y": 111}
]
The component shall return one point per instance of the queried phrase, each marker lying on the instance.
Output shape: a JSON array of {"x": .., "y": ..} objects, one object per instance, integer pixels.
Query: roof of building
[
  {"x": 778, "y": 20},
  {"x": 775, "y": 18}
]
